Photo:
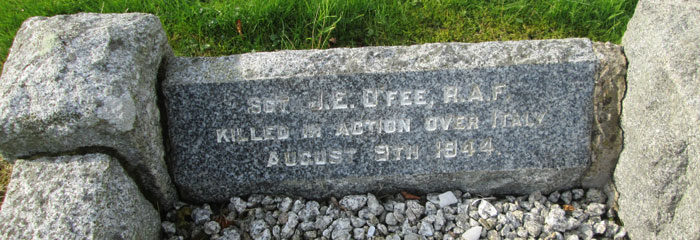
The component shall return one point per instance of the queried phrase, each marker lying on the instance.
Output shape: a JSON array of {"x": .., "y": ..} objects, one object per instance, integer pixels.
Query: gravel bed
[{"x": 569, "y": 215}]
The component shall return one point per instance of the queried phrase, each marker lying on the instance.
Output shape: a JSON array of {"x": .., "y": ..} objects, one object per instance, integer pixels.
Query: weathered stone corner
[
  {"x": 88, "y": 80},
  {"x": 606, "y": 138}
]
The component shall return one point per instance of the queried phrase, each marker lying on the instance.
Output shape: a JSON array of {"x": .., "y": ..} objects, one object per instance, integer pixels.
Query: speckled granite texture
[
  {"x": 75, "y": 197},
  {"x": 495, "y": 117},
  {"x": 87, "y": 80},
  {"x": 658, "y": 176}
]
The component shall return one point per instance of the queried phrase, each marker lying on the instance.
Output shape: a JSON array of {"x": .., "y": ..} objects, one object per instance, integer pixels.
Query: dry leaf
[
  {"x": 223, "y": 222},
  {"x": 568, "y": 207},
  {"x": 239, "y": 27},
  {"x": 335, "y": 202},
  {"x": 409, "y": 196}
]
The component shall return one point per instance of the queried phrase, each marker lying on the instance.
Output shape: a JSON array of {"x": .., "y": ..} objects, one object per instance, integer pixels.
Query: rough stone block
[
  {"x": 496, "y": 117},
  {"x": 75, "y": 197},
  {"x": 658, "y": 175},
  {"x": 87, "y": 80}
]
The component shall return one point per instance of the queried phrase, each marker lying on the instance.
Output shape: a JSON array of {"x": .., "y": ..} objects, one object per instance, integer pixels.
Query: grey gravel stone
[
  {"x": 353, "y": 202},
  {"x": 298, "y": 205},
  {"x": 433, "y": 198},
  {"x": 307, "y": 226},
  {"x": 237, "y": 204},
  {"x": 257, "y": 227},
  {"x": 533, "y": 228},
  {"x": 566, "y": 197},
  {"x": 555, "y": 236},
  {"x": 341, "y": 228},
  {"x": 323, "y": 222},
  {"x": 366, "y": 213},
  {"x": 426, "y": 229},
  {"x": 201, "y": 215},
  {"x": 254, "y": 200},
  {"x": 447, "y": 198},
  {"x": 357, "y": 222},
  {"x": 554, "y": 197},
  {"x": 359, "y": 233},
  {"x": 370, "y": 231},
  {"x": 88, "y": 80},
  {"x": 522, "y": 232},
  {"x": 382, "y": 229},
  {"x": 586, "y": 231},
  {"x": 407, "y": 227},
  {"x": 168, "y": 228},
  {"x": 277, "y": 232},
  {"x": 621, "y": 234},
  {"x": 285, "y": 205},
  {"x": 595, "y": 209},
  {"x": 611, "y": 229},
  {"x": 430, "y": 208},
  {"x": 536, "y": 197},
  {"x": 599, "y": 228},
  {"x": 439, "y": 222},
  {"x": 414, "y": 210},
  {"x": 310, "y": 235},
  {"x": 75, "y": 197},
  {"x": 594, "y": 195},
  {"x": 577, "y": 194},
  {"x": 493, "y": 235},
  {"x": 472, "y": 234},
  {"x": 450, "y": 222},
  {"x": 399, "y": 207},
  {"x": 230, "y": 234},
  {"x": 310, "y": 211},
  {"x": 290, "y": 225},
  {"x": 373, "y": 205},
  {"x": 212, "y": 227},
  {"x": 265, "y": 235},
  {"x": 393, "y": 237},
  {"x": 390, "y": 219},
  {"x": 486, "y": 209}
]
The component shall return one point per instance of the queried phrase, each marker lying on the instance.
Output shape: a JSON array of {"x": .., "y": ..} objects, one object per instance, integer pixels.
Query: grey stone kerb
[
  {"x": 85, "y": 83},
  {"x": 494, "y": 117}
]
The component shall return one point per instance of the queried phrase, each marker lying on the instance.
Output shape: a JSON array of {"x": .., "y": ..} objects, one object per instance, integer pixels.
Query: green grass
[
  {"x": 209, "y": 28},
  {"x": 5, "y": 172}
]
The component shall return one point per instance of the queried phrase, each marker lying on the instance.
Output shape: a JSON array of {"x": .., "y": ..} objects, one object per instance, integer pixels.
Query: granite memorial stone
[
  {"x": 495, "y": 117},
  {"x": 658, "y": 176},
  {"x": 76, "y": 83}
]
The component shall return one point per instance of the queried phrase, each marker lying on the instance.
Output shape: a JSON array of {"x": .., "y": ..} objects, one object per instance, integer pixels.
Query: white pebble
[
  {"x": 447, "y": 198},
  {"x": 472, "y": 234},
  {"x": 486, "y": 210}
]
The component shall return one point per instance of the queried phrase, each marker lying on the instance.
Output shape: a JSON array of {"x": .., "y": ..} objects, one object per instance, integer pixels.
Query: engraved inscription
[
  {"x": 439, "y": 125},
  {"x": 306, "y": 157}
]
